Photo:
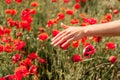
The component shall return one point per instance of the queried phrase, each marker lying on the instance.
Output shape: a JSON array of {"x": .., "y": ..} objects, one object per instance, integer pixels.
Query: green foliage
[{"x": 59, "y": 65}]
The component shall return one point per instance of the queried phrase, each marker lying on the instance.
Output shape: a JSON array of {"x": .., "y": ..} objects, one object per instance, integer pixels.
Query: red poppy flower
[
  {"x": 115, "y": 11},
  {"x": 16, "y": 58},
  {"x": 34, "y": 4},
  {"x": 24, "y": 24},
  {"x": 75, "y": 44},
  {"x": 103, "y": 21},
  {"x": 76, "y": 6},
  {"x": 96, "y": 39},
  {"x": 76, "y": 58},
  {"x": 10, "y": 11},
  {"x": 49, "y": 23},
  {"x": 32, "y": 55},
  {"x": 54, "y": 0},
  {"x": 1, "y": 48},
  {"x": 25, "y": 15},
  {"x": 112, "y": 59},
  {"x": 108, "y": 16},
  {"x": 18, "y": 1},
  {"x": 8, "y": 1},
  {"x": 32, "y": 11},
  {"x": 1, "y": 32},
  {"x": 88, "y": 50},
  {"x": 6, "y": 30},
  {"x": 6, "y": 39},
  {"x": 74, "y": 21},
  {"x": 83, "y": 24},
  {"x": 7, "y": 11},
  {"x": 90, "y": 20},
  {"x": 60, "y": 16},
  {"x": 20, "y": 72},
  {"x": 19, "y": 45},
  {"x": 83, "y": 40},
  {"x": 54, "y": 32},
  {"x": 8, "y": 48},
  {"x": 41, "y": 60},
  {"x": 69, "y": 12},
  {"x": 11, "y": 22},
  {"x": 13, "y": 12},
  {"x": 110, "y": 45},
  {"x": 43, "y": 36},
  {"x": 26, "y": 62},
  {"x": 33, "y": 69},
  {"x": 65, "y": 1}
]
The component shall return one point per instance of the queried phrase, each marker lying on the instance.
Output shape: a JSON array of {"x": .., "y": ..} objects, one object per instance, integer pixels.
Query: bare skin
[{"x": 70, "y": 34}]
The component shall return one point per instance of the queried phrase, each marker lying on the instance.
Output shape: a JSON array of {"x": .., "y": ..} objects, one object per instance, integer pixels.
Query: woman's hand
[{"x": 68, "y": 35}]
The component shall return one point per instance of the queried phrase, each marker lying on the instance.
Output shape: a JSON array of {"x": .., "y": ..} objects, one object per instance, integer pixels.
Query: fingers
[
  {"x": 68, "y": 42},
  {"x": 63, "y": 39},
  {"x": 64, "y": 26},
  {"x": 57, "y": 36}
]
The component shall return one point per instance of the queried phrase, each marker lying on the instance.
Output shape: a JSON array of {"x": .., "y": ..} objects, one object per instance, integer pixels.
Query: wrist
[{"x": 86, "y": 31}]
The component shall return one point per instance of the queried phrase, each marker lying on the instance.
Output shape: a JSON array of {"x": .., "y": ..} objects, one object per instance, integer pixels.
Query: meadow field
[{"x": 26, "y": 30}]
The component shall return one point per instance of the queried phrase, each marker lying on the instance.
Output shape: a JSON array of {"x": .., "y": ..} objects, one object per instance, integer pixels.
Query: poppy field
[{"x": 28, "y": 26}]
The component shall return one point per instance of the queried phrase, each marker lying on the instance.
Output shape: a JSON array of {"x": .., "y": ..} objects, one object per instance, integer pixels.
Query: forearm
[{"x": 106, "y": 29}]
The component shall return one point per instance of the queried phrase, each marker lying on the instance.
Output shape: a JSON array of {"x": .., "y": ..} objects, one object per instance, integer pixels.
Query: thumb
[{"x": 64, "y": 26}]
